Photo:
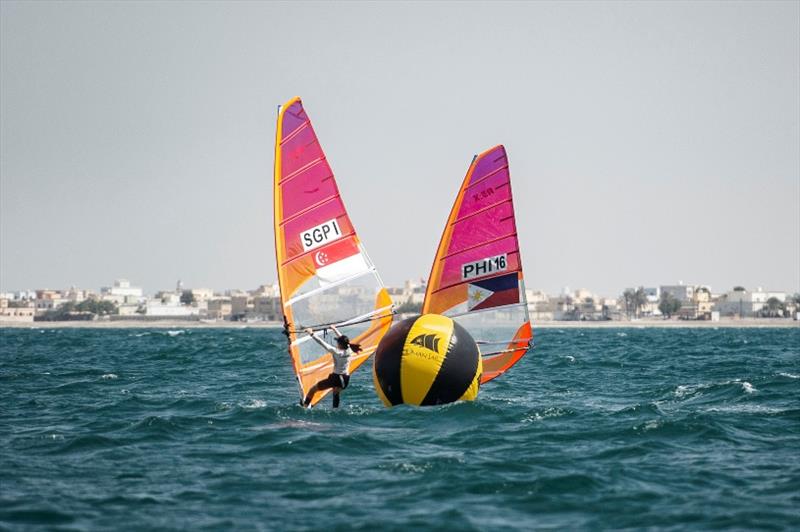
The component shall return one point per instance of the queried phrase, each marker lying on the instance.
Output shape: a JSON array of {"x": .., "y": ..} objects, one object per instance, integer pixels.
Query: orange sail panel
[
  {"x": 476, "y": 277},
  {"x": 325, "y": 275}
]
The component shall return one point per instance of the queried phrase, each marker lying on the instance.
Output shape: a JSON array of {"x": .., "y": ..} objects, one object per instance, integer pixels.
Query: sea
[{"x": 595, "y": 429}]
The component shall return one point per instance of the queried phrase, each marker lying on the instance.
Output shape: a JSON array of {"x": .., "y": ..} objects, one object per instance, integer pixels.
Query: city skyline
[
  {"x": 647, "y": 142},
  {"x": 179, "y": 286}
]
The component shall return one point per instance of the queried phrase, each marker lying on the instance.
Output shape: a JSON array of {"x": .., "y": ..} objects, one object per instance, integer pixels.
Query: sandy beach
[{"x": 186, "y": 324}]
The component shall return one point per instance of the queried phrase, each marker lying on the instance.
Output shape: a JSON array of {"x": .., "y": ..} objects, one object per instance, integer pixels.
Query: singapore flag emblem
[
  {"x": 321, "y": 258},
  {"x": 339, "y": 260}
]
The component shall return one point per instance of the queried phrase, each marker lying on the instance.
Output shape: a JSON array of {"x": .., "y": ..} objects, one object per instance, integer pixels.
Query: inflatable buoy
[{"x": 427, "y": 360}]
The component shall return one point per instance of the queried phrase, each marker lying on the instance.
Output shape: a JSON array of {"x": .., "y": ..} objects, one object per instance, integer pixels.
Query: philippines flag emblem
[{"x": 494, "y": 292}]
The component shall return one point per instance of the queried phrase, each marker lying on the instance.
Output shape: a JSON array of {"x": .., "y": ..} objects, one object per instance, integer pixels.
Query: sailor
[{"x": 340, "y": 378}]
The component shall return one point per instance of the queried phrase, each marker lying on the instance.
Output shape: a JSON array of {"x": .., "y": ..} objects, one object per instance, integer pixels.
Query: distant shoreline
[{"x": 759, "y": 323}]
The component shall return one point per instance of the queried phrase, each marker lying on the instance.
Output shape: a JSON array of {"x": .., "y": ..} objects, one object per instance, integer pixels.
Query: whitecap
[
  {"x": 748, "y": 387},
  {"x": 622, "y": 334},
  {"x": 686, "y": 389},
  {"x": 176, "y": 333},
  {"x": 255, "y": 403},
  {"x": 108, "y": 376},
  {"x": 539, "y": 416},
  {"x": 745, "y": 408},
  {"x": 570, "y": 358},
  {"x": 789, "y": 375},
  {"x": 650, "y": 425}
]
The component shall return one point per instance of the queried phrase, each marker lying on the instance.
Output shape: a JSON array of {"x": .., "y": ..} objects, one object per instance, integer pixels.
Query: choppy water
[{"x": 198, "y": 429}]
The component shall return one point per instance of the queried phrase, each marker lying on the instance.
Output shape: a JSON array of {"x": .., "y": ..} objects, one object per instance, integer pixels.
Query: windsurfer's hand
[{"x": 309, "y": 330}]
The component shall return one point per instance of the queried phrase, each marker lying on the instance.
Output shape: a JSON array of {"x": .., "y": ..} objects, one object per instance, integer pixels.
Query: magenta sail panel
[
  {"x": 308, "y": 187},
  {"x": 484, "y": 226}
]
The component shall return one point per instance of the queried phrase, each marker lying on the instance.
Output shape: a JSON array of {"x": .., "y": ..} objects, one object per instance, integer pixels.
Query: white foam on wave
[
  {"x": 176, "y": 333},
  {"x": 109, "y": 376},
  {"x": 745, "y": 408},
  {"x": 254, "y": 404},
  {"x": 688, "y": 389},
  {"x": 570, "y": 359},
  {"x": 651, "y": 425},
  {"x": 684, "y": 390},
  {"x": 789, "y": 375},
  {"x": 622, "y": 334},
  {"x": 539, "y": 416}
]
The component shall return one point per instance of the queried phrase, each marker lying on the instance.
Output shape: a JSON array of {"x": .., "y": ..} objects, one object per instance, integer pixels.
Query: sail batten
[
  {"x": 476, "y": 277},
  {"x": 476, "y": 213},
  {"x": 325, "y": 275}
]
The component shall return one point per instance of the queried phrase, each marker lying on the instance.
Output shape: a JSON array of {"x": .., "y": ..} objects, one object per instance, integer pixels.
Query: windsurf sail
[
  {"x": 326, "y": 277},
  {"x": 476, "y": 277}
]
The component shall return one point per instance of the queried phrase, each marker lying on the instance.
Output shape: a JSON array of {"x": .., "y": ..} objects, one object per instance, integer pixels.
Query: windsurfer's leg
[
  {"x": 336, "y": 397},
  {"x": 310, "y": 394},
  {"x": 324, "y": 384}
]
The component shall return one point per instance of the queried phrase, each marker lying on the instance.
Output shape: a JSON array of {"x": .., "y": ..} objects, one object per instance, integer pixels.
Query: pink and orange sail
[
  {"x": 325, "y": 275},
  {"x": 476, "y": 277}
]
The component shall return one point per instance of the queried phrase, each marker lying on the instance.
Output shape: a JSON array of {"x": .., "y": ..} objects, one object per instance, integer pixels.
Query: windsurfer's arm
[{"x": 320, "y": 341}]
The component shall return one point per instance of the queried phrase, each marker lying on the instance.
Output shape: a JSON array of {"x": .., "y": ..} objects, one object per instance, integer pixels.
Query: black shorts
[{"x": 334, "y": 380}]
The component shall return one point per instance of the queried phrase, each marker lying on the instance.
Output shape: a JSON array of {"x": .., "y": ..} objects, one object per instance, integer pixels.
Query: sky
[{"x": 649, "y": 143}]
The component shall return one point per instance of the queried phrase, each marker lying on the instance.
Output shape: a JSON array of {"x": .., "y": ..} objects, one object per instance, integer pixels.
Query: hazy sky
[{"x": 649, "y": 142}]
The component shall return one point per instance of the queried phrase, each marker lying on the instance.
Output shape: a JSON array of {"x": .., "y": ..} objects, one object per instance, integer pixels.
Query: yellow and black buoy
[{"x": 427, "y": 360}]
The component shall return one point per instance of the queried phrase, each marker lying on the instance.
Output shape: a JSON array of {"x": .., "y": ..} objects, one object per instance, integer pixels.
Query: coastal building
[
  {"x": 267, "y": 308},
  {"x": 169, "y": 306},
  {"x": 745, "y": 304},
  {"x": 242, "y": 306},
  {"x": 538, "y": 305},
  {"x": 16, "y": 311},
  {"x": 680, "y": 291},
  {"x": 121, "y": 292},
  {"x": 271, "y": 290},
  {"x": 219, "y": 308},
  {"x": 410, "y": 296},
  {"x": 202, "y": 295},
  {"x": 76, "y": 295},
  {"x": 699, "y": 307},
  {"x": 47, "y": 300}
]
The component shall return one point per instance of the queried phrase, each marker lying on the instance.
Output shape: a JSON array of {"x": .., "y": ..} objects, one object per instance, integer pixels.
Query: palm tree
[
  {"x": 774, "y": 308},
  {"x": 628, "y": 298},
  {"x": 668, "y": 305},
  {"x": 641, "y": 299}
]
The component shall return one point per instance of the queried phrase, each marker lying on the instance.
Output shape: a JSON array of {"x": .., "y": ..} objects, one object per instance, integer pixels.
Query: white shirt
[{"x": 341, "y": 357}]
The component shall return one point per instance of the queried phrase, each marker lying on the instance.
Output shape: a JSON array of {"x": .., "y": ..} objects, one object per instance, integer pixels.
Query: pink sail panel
[
  {"x": 310, "y": 197},
  {"x": 483, "y": 225}
]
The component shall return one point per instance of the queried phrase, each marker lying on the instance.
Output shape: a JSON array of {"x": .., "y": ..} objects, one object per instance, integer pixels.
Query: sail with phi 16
[{"x": 476, "y": 277}]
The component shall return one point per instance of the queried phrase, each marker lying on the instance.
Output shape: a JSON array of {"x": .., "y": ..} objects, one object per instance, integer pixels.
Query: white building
[
  {"x": 15, "y": 313},
  {"x": 746, "y": 304},
  {"x": 122, "y": 292},
  {"x": 168, "y": 304}
]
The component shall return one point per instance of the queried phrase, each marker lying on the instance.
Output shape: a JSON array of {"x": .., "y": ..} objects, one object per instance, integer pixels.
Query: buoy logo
[{"x": 430, "y": 341}]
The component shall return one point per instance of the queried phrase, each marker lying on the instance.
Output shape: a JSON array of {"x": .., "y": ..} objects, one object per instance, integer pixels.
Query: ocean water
[{"x": 595, "y": 429}]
